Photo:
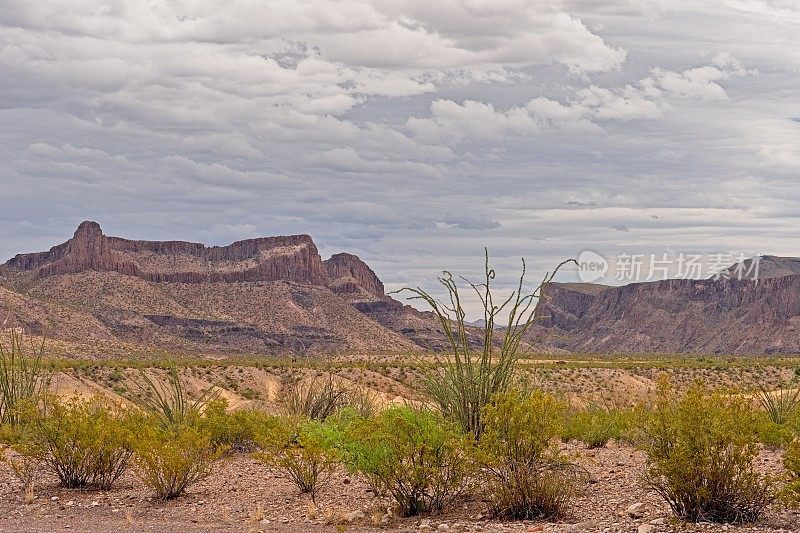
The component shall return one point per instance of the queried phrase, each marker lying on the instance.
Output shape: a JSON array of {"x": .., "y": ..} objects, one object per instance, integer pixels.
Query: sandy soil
[{"x": 245, "y": 496}]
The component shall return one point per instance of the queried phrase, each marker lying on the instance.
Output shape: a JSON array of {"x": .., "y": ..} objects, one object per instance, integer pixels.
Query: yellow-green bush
[
  {"x": 169, "y": 460},
  {"x": 791, "y": 462},
  {"x": 301, "y": 447},
  {"x": 596, "y": 424},
  {"x": 771, "y": 433},
  {"x": 523, "y": 472},
  {"x": 84, "y": 442},
  {"x": 701, "y": 448},
  {"x": 235, "y": 430},
  {"x": 415, "y": 456}
]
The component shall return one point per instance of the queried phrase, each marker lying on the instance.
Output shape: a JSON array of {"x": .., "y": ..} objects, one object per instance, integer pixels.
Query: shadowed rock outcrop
[{"x": 350, "y": 275}]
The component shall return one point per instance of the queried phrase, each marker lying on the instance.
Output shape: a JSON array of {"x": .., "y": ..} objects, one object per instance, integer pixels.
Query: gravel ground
[{"x": 243, "y": 495}]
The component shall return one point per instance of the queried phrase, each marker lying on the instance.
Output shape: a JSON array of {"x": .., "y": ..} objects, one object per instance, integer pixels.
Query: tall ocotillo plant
[
  {"x": 465, "y": 381},
  {"x": 23, "y": 375}
]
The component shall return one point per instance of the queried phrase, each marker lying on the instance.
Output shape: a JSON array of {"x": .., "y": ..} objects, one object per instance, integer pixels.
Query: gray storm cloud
[{"x": 413, "y": 133}]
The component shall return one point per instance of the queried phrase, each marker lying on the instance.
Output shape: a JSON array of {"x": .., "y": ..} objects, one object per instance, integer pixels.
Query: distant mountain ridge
[
  {"x": 717, "y": 315},
  {"x": 101, "y": 296},
  {"x": 268, "y": 295},
  {"x": 763, "y": 267}
]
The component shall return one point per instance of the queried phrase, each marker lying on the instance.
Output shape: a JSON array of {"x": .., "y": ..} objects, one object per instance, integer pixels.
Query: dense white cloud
[
  {"x": 451, "y": 123},
  {"x": 411, "y": 132}
]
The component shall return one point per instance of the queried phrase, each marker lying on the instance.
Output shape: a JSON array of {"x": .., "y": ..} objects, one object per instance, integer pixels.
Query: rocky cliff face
[
  {"x": 350, "y": 275},
  {"x": 679, "y": 315},
  {"x": 565, "y": 303},
  {"x": 271, "y": 295},
  {"x": 291, "y": 258}
]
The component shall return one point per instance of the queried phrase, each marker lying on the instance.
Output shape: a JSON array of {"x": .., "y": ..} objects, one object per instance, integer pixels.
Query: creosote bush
[
  {"x": 523, "y": 472},
  {"x": 176, "y": 445},
  {"x": 235, "y": 431},
  {"x": 468, "y": 376},
  {"x": 773, "y": 434},
  {"x": 84, "y": 442},
  {"x": 596, "y": 424},
  {"x": 170, "y": 459},
  {"x": 701, "y": 448},
  {"x": 791, "y": 462},
  {"x": 303, "y": 448},
  {"x": 419, "y": 459}
]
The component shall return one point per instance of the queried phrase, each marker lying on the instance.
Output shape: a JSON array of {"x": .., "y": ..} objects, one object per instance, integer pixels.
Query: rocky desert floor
[{"x": 244, "y": 496}]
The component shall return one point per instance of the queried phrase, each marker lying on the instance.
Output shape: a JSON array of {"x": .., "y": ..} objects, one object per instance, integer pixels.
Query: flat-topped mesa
[
  {"x": 350, "y": 275},
  {"x": 289, "y": 258}
]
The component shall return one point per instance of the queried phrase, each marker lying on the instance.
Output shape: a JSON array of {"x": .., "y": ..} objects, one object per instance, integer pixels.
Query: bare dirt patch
[{"x": 245, "y": 496}]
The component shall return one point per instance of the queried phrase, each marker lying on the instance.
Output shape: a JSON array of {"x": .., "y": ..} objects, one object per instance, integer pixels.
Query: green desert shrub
[
  {"x": 791, "y": 463},
  {"x": 170, "y": 459},
  {"x": 348, "y": 426},
  {"x": 596, "y": 424},
  {"x": 416, "y": 457},
  {"x": 473, "y": 370},
  {"x": 234, "y": 430},
  {"x": 523, "y": 472},
  {"x": 773, "y": 434},
  {"x": 303, "y": 448},
  {"x": 84, "y": 442},
  {"x": 701, "y": 448}
]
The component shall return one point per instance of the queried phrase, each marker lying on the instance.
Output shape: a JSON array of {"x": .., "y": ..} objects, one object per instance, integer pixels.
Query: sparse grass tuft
[
  {"x": 317, "y": 398},
  {"x": 170, "y": 404},
  {"x": 322, "y": 397},
  {"x": 780, "y": 404}
]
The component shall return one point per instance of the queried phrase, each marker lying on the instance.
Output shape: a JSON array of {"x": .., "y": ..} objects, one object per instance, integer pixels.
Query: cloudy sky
[{"x": 410, "y": 132}]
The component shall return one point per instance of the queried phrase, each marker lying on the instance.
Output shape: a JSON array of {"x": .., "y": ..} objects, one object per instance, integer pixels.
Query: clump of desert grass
[{"x": 321, "y": 397}]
